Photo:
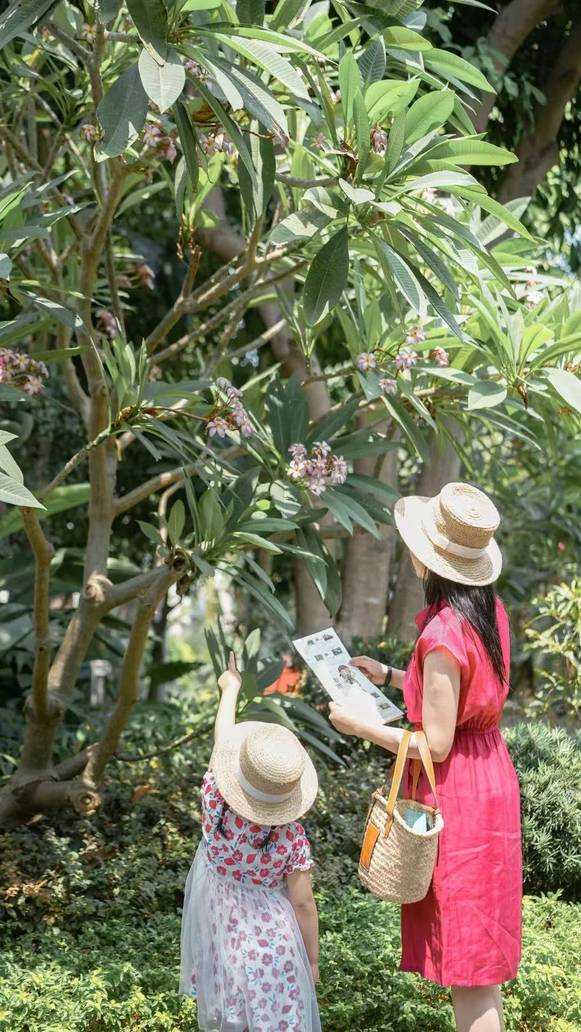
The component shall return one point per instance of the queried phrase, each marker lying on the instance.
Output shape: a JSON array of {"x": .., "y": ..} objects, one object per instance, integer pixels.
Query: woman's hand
[
  {"x": 344, "y": 721},
  {"x": 372, "y": 668},
  {"x": 315, "y": 972},
  {"x": 231, "y": 677}
]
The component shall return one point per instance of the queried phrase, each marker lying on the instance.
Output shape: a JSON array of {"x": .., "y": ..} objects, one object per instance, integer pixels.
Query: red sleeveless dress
[{"x": 467, "y": 930}]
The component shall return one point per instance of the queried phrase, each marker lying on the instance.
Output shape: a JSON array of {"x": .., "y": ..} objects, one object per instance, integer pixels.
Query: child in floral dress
[{"x": 249, "y": 942}]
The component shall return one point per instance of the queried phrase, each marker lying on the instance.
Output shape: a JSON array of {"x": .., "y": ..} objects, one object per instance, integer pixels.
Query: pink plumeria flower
[
  {"x": 366, "y": 361},
  {"x": 405, "y": 359},
  {"x": 388, "y": 385},
  {"x": 440, "y": 357}
]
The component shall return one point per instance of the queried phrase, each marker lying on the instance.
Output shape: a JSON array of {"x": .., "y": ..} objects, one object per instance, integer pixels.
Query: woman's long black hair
[{"x": 474, "y": 603}]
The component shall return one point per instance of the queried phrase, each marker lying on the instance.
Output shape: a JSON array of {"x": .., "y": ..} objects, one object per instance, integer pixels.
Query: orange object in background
[{"x": 288, "y": 680}]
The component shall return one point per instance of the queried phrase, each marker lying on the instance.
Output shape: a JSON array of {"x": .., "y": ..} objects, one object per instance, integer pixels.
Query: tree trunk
[
  {"x": 539, "y": 150},
  {"x": 443, "y": 466},
  {"x": 367, "y": 564},
  {"x": 508, "y": 32}
]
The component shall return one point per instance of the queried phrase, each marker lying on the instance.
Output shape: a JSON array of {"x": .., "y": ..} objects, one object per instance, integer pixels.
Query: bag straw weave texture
[{"x": 397, "y": 862}]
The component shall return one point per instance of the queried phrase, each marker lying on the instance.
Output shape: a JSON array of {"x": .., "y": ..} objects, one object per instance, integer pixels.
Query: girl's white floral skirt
[{"x": 243, "y": 956}]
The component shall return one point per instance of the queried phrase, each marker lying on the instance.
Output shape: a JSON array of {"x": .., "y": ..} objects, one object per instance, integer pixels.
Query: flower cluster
[
  {"x": 233, "y": 415},
  {"x": 366, "y": 361},
  {"x": 158, "y": 143},
  {"x": 379, "y": 140},
  {"x": 145, "y": 275},
  {"x": 317, "y": 471},
  {"x": 216, "y": 143},
  {"x": 405, "y": 359},
  {"x": 528, "y": 291},
  {"x": 388, "y": 385},
  {"x": 89, "y": 132},
  {"x": 440, "y": 357},
  {"x": 107, "y": 322},
  {"x": 415, "y": 335},
  {"x": 447, "y": 203},
  {"x": 22, "y": 371}
]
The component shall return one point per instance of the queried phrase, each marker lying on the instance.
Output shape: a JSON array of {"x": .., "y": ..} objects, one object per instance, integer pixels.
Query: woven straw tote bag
[{"x": 396, "y": 861}]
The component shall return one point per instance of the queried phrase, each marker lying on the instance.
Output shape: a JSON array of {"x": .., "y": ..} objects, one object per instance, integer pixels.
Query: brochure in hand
[{"x": 329, "y": 660}]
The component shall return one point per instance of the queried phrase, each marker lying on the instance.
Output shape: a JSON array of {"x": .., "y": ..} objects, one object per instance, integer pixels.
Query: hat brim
[
  {"x": 225, "y": 760},
  {"x": 412, "y": 515}
]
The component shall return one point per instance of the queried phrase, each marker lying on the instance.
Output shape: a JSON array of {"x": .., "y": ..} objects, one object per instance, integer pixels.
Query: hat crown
[
  {"x": 466, "y": 515},
  {"x": 272, "y": 759}
]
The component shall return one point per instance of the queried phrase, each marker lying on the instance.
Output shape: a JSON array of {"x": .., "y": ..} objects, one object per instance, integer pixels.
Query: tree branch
[
  {"x": 160, "y": 332},
  {"x": 151, "y": 486},
  {"x": 539, "y": 151},
  {"x": 129, "y": 677},
  {"x": 43, "y": 553}
]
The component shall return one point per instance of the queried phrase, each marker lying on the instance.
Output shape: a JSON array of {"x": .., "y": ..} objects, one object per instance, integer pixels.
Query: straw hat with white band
[
  {"x": 452, "y": 534},
  {"x": 264, "y": 774}
]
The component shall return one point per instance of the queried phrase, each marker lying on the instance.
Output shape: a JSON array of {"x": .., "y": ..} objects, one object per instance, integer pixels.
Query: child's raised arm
[
  {"x": 229, "y": 684},
  {"x": 300, "y": 894}
]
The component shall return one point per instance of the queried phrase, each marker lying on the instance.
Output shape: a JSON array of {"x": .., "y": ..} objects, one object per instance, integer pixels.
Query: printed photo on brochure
[{"x": 326, "y": 655}]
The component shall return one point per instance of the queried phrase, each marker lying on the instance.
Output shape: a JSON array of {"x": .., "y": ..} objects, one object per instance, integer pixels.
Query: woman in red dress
[{"x": 466, "y": 932}]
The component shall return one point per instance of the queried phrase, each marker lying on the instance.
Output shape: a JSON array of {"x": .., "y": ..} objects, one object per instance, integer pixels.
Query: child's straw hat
[
  {"x": 452, "y": 534},
  {"x": 264, "y": 773}
]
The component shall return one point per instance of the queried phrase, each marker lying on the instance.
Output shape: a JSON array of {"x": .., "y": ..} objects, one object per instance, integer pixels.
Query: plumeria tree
[{"x": 339, "y": 138}]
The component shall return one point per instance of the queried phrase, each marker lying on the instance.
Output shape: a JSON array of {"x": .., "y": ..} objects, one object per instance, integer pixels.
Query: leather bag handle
[{"x": 426, "y": 760}]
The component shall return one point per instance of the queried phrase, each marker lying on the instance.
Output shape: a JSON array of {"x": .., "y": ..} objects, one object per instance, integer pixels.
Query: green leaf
[
  {"x": 163, "y": 83},
  {"x": 250, "y": 12},
  {"x": 299, "y": 226},
  {"x": 59, "y": 312},
  {"x": 429, "y": 112},
  {"x": 347, "y": 511},
  {"x": 404, "y": 277},
  {"x": 5, "y": 266},
  {"x": 20, "y": 16},
  {"x": 188, "y": 141},
  {"x": 256, "y": 541},
  {"x": 122, "y": 113},
  {"x": 387, "y": 97},
  {"x": 373, "y": 486},
  {"x": 258, "y": 100},
  {"x": 349, "y": 84},
  {"x": 288, "y": 415},
  {"x": 109, "y": 9},
  {"x": 357, "y": 195},
  {"x": 270, "y": 602},
  {"x": 439, "y": 305},
  {"x": 7, "y": 463},
  {"x": 411, "y": 431},
  {"x": 13, "y": 492},
  {"x": 286, "y": 12},
  {"x": 566, "y": 385},
  {"x": 211, "y": 516},
  {"x": 451, "y": 66},
  {"x": 269, "y": 58},
  {"x": 326, "y": 278},
  {"x": 372, "y": 61},
  {"x": 432, "y": 260},
  {"x": 483, "y": 200},
  {"x": 470, "y": 152},
  {"x": 485, "y": 394},
  {"x": 327, "y": 426},
  {"x": 406, "y": 39},
  {"x": 395, "y": 142},
  {"x": 362, "y": 132},
  {"x": 150, "y": 19},
  {"x": 151, "y": 532},
  {"x": 176, "y": 521}
]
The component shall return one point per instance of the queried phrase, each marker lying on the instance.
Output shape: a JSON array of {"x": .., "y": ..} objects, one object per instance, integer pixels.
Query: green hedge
[{"x": 113, "y": 975}]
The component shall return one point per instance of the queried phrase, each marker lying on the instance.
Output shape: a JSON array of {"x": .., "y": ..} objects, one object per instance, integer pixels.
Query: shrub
[
  {"x": 554, "y": 640},
  {"x": 119, "y": 974},
  {"x": 548, "y": 762}
]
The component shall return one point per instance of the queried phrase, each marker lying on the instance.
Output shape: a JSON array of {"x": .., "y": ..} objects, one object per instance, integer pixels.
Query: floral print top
[{"x": 235, "y": 847}]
